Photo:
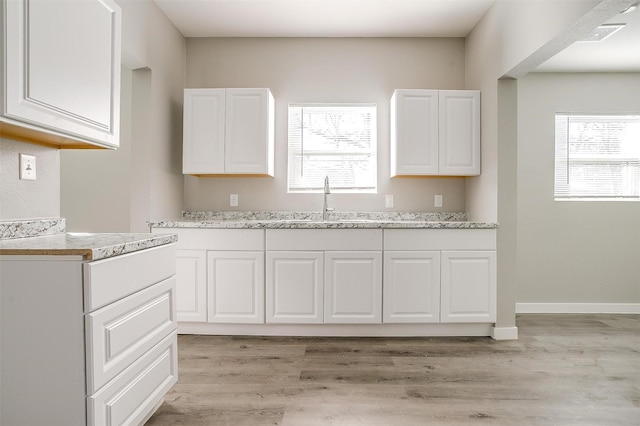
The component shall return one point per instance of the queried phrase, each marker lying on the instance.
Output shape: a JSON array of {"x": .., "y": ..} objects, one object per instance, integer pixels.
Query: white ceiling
[{"x": 385, "y": 18}]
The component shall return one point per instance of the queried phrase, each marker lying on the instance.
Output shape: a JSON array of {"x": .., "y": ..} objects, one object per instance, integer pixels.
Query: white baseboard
[
  {"x": 578, "y": 308},
  {"x": 504, "y": 333}
]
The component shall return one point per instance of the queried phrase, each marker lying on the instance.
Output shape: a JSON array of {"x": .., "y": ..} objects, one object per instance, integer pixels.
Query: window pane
[
  {"x": 597, "y": 156},
  {"x": 338, "y": 141}
]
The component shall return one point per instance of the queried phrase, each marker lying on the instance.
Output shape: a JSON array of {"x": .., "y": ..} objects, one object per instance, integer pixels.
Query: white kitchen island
[
  {"x": 88, "y": 325},
  {"x": 377, "y": 274}
]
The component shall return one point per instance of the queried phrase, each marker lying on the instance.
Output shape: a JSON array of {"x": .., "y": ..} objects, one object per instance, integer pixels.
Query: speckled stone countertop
[
  {"x": 313, "y": 220},
  {"x": 48, "y": 237}
]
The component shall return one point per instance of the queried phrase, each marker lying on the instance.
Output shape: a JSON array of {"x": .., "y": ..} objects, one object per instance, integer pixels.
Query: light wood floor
[{"x": 564, "y": 370}]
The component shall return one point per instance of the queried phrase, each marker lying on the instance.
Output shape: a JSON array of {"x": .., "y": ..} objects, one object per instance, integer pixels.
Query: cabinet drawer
[
  {"x": 111, "y": 279},
  {"x": 130, "y": 398},
  {"x": 324, "y": 239},
  {"x": 120, "y": 333}
]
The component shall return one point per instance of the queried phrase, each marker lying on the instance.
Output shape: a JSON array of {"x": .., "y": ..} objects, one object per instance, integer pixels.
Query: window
[
  {"x": 335, "y": 140},
  {"x": 597, "y": 157}
]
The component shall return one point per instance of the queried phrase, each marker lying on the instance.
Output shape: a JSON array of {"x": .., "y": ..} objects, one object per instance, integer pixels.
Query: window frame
[
  {"x": 371, "y": 153},
  {"x": 563, "y": 160}
]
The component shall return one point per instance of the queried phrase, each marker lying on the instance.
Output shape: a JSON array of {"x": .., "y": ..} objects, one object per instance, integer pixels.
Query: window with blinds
[
  {"x": 335, "y": 140},
  {"x": 597, "y": 157}
]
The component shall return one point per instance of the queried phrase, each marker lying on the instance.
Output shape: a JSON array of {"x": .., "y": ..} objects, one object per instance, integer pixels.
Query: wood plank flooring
[{"x": 564, "y": 370}]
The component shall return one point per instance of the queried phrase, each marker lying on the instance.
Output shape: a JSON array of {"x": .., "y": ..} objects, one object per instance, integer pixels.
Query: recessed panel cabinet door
[
  {"x": 468, "y": 286},
  {"x": 203, "y": 144},
  {"x": 411, "y": 286},
  {"x": 191, "y": 285},
  {"x": 353, "y": 287},
  {"x": 459, "y": 116},
  {"x": 249, "y": 131},
  {"x": 235, "y": 287},
  {"x": 294, "y": 288},
  {"x": 414, "y": 132},
  {"x": 62, "y": 67}
]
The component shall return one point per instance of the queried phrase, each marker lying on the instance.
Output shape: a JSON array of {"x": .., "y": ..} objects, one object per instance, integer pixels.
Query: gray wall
[
  {"x": 29, "y": 199},
  {"x": 572, "y": 251},
  {"x": 120, "y": 191},
  {"x": 326, "y": 70}
]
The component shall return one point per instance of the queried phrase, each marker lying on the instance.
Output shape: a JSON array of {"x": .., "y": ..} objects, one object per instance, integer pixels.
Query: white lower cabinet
[
  {"x": 191, "y": 287},
  {"x": 236, "y": 287},
  {"x": 439, "y": 275},
  {"x": 411, "y": 286},
  {"x": 330, "y": 276},
  {"x": 468, "y": 286},
  {"x": 353, "y": 287},
  {"x": 294, "y": 287},
  {"x": 87, "y": 342}
]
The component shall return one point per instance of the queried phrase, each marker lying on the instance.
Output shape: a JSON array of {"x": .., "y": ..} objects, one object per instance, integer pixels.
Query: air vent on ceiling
[{"x": 601, "y": 32}]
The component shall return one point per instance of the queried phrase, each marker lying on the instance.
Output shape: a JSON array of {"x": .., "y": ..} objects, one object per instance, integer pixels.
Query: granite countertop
[
  {"x": 47, "y": 237},
  {"x": 312, "y": 220}
]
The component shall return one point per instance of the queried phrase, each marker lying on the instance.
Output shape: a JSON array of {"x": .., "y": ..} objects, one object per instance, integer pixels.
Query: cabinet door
[
  {"x": 459, "y": 132},
  {"x": 468, "y": 286},
  {"x": 62, "y": 67},
  {"x": 191, "y": 294},
  {"x": 249, "y": 143},
  {"x": 353, "y": 287},
  {"x": 414, "y": 132},
  {"x": 235, "y": 287},
  {"x": 294, "y": 287},
  {"x": 203, "y": 133},
  {"x": 411, "y": 287}
]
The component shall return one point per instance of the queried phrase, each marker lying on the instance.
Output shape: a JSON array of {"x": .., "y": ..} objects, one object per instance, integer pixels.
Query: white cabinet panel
[
  {"x": 411, "y": 287},
  {"x": 435, "y": 132},
  {"x": 459, "y": 129},
  {"x": 414, "y": 132},
  {"x": 294, "y": 287},
  {"x": 204, "y": 117},
  {"x": 353, "y": 287},
  {"x": 228, "y": 131},
  {"x": 121, "y": 332},
  {"x": 468, "y": 286},
  {"x": 235, "y": 287},
  {"x": 62, "y": 67},
  {"x": 191, "y": 285},
  {"x": 130, "y": 398},
  {"x": 249, "y": 140}
]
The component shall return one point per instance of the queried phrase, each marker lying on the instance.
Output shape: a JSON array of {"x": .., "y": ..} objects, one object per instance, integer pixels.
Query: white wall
[
  {"x": 325, "y": 70},
  {"x": 119, "y": 191},
  {"x": 572, "y": 251}
]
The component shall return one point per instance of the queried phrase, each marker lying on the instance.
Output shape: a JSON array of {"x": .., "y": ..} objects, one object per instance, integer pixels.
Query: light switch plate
[
  {"x": 438, "y": 201},
  {"x": 388, "y": 201},
  {"x": 233, "y": 200},
  {"x": 27, "y": 167}
]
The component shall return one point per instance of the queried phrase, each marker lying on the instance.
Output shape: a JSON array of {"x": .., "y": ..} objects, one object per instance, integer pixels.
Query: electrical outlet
[
  {"x": 27, "y": 167},
  {"x": 233, "y": 200},
  {"x": 388, "y": 201},
  {"x": 438, "y": 201}
]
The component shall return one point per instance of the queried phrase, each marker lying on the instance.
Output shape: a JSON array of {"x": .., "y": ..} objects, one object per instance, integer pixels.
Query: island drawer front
[
  {"x": 439, "y": 239},
  {"x": 114, "y": 278},
  {"x": 122, "y": 332},
  {"x": 324, "y": 239},
  {"x": 132, "y": 396}
]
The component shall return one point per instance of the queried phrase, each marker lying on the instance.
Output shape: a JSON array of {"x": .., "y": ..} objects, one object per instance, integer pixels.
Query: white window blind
[
  {"x": 335, "y": 140},
  {"x": 597, "y": 156}
]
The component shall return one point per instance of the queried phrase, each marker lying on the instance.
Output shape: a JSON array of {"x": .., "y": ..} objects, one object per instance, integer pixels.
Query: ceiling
[{"x": 386, "y": 18}]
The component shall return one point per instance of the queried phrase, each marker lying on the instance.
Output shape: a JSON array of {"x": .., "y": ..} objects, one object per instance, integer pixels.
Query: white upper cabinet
[
  {"x": 61, "y": 72},
  {"x": 228, "y": 131},
  {"x": 435, "y": 132}
]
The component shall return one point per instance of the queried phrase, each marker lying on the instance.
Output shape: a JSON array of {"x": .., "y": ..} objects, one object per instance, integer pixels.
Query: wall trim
[
  {"x": 577, "y": 308},
  {"x": 504, "y": 333}
]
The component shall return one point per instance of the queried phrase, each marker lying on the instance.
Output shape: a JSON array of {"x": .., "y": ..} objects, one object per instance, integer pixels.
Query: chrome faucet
[{"x": 325, "y": 207}]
